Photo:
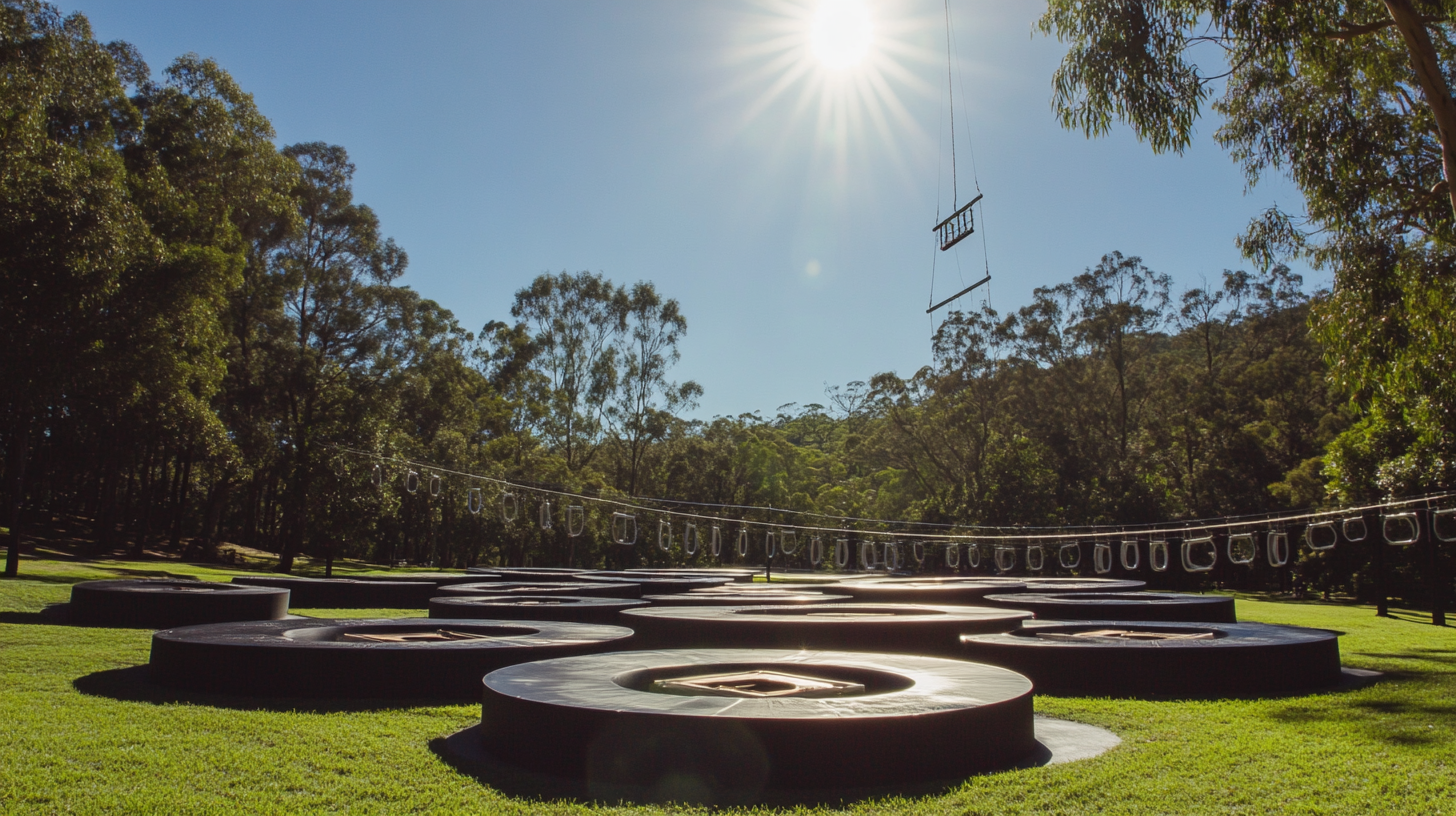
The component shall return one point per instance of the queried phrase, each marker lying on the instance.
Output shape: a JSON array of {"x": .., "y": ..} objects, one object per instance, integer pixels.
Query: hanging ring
[
  {"x": 510, "y": 507},
  {"x": 1158, "y": 556},
  {"x": 1102, "y": 557},
  {"x": 816, "y": 551},
  {"x": 917, "y": 551},
  {"x": 1069, "y": 555},
  {"x": 575, "y": 520},
  {"x": 1005, "y": 558},
  {"x": 841, "y": 553},
  {"x": 435, "y": 485},
  {"x": 1035, "y": 557},
  {"x": 377, "y": 476},
  {"x": 952, "y": 555},
  {"x": 1130, "y": 555},
  {"x": 973, "y": 556},
  {"x": 1436, "y": 517},
  {"x": 893, "y": 561},
  {"x": 770, "y": 544},
  {"x": 1241, "y": 549},
  {"x": 544, "y": 514},
  {"x": 715, "y": 542},
  {"x": 1321, "y": 536},
  {"x": 690, "y": 539},
  {"x": 788, "y": 542},
  {"x": 411, "y": 481},
  {"x": 1190, "y": 563},
  {"x": 664, "y": 535},
  {"x": 743, "y": 542},
  {"x": 624, "y": 529},
  {"x": 1354, "y": 529},
  {"x": 867, "y": 555},
  {"x": 1276, "y": 549},
  {"x": 474, "y": 501},
  {"x": 1400, "y": 529}
]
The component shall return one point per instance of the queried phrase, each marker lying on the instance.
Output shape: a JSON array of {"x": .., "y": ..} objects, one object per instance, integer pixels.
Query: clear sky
[{"x": 781, "y": 187}]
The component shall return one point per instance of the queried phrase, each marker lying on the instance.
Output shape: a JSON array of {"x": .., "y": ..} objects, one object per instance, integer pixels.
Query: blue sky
[{"x": 701, "y": 145}]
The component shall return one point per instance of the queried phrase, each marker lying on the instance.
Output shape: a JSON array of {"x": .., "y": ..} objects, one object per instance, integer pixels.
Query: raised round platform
[
  {"x": 726, "y": 725},
  {"x": 577, "y": 608},
  {"x": 590, "y": 589},
  {"x": 1168, "y": 659},
  {"x": 1034, "y": 584},
  {"x": 928, "y": 590},
  {"x": 747, "y": 598},
  {"x": 902, "y": 628},
  {"x": 154, "y": 603},
  {"x": 345, "y": 593},
  {"x": 1138, "y": 606},
  {"x": 655, "y": 584},
  {"x": 389, "y": 658}
]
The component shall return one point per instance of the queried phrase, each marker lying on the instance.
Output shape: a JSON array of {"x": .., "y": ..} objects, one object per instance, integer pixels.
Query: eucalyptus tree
[
  {"x": 68, "y": 229},
  {"x": 646, "y": 401},
  {"x": 575, "y": 321},
  {"x": 336, "y": 339},
  {"x": 1352, "y": 101}
]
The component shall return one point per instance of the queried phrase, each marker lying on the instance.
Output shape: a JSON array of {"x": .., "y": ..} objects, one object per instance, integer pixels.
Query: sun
[{"x": 841, "y": 33}]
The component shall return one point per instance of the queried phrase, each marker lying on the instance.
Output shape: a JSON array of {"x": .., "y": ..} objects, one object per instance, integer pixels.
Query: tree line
[{"x": 198, "y": 322}]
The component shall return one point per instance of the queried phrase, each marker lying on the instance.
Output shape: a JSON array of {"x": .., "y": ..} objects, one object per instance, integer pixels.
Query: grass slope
[{"x": 79, "y": 733}]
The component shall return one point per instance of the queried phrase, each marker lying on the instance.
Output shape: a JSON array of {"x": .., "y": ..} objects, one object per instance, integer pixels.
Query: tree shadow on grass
[
  {"x": 1407, "y": 721},
  {"x": 133, "y": 684},
  {"x": 51, "y": 615}
]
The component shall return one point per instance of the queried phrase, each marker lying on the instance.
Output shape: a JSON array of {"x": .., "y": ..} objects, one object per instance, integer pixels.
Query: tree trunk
[
  {"x": 15, "y": 492},
  {"x": 1433, "y": 84}
]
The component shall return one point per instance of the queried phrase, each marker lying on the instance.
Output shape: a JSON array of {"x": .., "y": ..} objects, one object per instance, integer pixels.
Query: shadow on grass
[
  {"x": 1409, "y": 721},
  {"x": 51, "y": 615},
  {"x": 134, "y": 685}
]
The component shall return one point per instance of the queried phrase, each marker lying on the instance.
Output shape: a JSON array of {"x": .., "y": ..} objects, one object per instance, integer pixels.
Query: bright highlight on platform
[{"x": 841, "y": 33}]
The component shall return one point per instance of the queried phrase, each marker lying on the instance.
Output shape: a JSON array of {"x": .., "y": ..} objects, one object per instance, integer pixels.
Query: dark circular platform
[
  {"x": 579, "y": 609},
  {"x": 159, "y": 603},
  {"x": 724, "y": 725},
  {"x": 747, "y": 598},
  {"x": 1139, "y": 606},
  {"x": 902, "y": 628},
  {"x": 410, "y": 657},
  {"x": 590, "y": 589},
  {"x": 1181, "y": 660},
  {"x": 927, "y": 590},
  {"x": 346, "y": 593},
  {"x": 1034, "y": 584}
]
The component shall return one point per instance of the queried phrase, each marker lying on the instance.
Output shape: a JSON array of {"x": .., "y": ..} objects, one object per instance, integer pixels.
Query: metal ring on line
[
  {"x": 690, "y": 539},
  {"x": 474, "y": 501},
  {"x": 624, "y": 522},
  {"x": 743, "y": 542},
  {"x": 377, "y": 476},
  {"x": 816, "y": 551},
  {"x": 841, "y": 552},
  {"x": 1102, "y": 558},
  {"x": 575, "y": 520},
  {"x": 788, "y": 541},
  {"x": 973, "y": 556},
  {"x": 867, "y": 555},
  {"x": 1400, "y": 538},
  {"x": 435, "y": 485},
  {"x": 1005, "y": 559},
  {"x": 1069, "y": 555},
  {"x": 1276, "y": 549},
  {"x": 664, "y": 535},
  {"x": 952, "y": 555},
  {"x": 1189, "y": 563},
  {"x": 1241, "y": 549},
  {"x": 411, "y": 481},
  {"x": 1353, "y": 524},
  {"x": 917, "y": 551},
  {"x": 544, "y": 514},
  {"x": 1158, "y": 556},
  {"x": 715, "y": 542},
  {"x": 1324, "y": 531},
  {"x": 1035, "y": 558},
  {"x": 770, "y": 544},
  {"x": 509, "y": 511},
  {"x": 892, "y": 558},
  {"x": 1130, "y": 555},
  {"x": 1436, "y": 516}
]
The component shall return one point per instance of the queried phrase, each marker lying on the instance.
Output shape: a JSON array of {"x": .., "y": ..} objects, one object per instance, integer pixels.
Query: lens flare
[{"x": 840, "y": 33}]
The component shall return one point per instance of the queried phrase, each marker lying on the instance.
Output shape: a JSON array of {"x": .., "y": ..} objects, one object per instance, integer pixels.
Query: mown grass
[{"x": 82, "y": 732}]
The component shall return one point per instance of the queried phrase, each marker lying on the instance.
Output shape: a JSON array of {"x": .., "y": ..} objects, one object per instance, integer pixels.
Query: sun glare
[{"x": 840, "y": 33}]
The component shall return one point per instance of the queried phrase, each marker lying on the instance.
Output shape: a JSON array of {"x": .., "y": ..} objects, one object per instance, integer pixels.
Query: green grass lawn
[{"x": 76, "y": 735}]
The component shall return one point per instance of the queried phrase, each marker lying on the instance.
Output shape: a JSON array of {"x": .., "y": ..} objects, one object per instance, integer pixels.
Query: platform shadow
[
  {"x": 53, "y": 615},
  {"x": 133, "y": 684},
  {"x": 1058, "y": 741}
]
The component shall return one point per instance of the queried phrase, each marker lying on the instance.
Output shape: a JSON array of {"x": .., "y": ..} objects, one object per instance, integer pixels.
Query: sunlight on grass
[{"x": 121, "y": 746}]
